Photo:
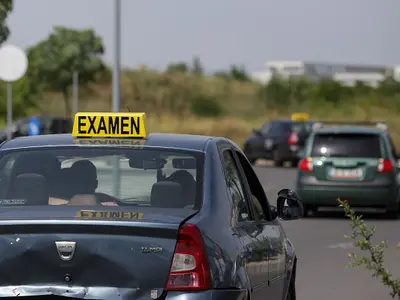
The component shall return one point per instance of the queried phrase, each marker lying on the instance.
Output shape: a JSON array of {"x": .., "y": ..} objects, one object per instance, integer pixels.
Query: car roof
[
  {"x": 349, "y": 129},
  {"x": 177, "y": 141},
  {"x": 291, "y": 121}
]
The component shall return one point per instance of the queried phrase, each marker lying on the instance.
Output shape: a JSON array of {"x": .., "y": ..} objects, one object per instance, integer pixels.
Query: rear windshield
[
  {"x": 346, "y": 145},
  {"x": 87, "y": 176},
  {"x": 302, "y": 127},
  {"x": 286, "y": 126}
]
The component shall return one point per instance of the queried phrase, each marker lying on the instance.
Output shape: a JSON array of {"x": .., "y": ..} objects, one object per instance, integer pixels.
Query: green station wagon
[{"x": 354, "y": 163}]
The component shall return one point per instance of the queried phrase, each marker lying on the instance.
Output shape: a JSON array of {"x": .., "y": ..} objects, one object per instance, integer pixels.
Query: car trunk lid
[{"x": 76, "y": 257}]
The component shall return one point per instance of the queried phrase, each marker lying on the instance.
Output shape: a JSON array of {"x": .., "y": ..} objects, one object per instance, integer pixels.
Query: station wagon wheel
[
  {"x": 247, "y": 151},
  {"x": 277, "y": 159},
  {"x": 294, "y": 163}
]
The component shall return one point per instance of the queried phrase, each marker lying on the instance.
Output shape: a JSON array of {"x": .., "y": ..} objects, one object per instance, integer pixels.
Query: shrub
[
  {"x": 206, "y": 106},
  {"x": 373, "y": 260}
]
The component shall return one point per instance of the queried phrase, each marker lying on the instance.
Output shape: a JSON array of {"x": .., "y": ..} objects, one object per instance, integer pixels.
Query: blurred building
[{"x": 348, "y": 74}]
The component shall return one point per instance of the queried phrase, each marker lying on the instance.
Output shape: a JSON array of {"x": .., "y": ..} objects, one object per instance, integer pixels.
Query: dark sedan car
[
  {"x": 190, "y": 221},
  {"x": 278, "y": 140},
  {"x": 46, "y": 125}
]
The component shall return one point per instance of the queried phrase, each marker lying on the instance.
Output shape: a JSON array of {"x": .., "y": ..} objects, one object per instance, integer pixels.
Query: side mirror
[
  {"x": 289, "y": 206},
  {"x": 257, "y": 131},
  {"x": 274, "y": 212}
]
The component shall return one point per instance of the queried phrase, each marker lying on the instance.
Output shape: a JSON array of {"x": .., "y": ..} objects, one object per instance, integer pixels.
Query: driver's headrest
[{"x": 167, "y": 194}]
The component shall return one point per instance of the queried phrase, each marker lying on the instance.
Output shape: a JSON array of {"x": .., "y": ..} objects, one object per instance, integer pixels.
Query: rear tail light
[
  {"x": 293, "y": 138},
  {"x": 190, "y": 269},
  {"x": 306, "y": 164},
  {"x": 384, "y": 166}
]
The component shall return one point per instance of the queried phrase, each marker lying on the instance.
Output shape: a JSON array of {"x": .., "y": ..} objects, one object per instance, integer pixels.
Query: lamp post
[{"x": 116, "y": 86}]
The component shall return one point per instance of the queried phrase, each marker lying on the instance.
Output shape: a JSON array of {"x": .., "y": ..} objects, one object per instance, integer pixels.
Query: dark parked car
[
  {"x": 47, "y": 125},
  {"x": 204, "y": 229},
  {"x": 278, "y": 140}
]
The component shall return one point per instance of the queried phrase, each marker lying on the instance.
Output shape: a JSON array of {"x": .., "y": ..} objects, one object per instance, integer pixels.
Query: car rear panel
[
  {"x": 346, "y": 157},
  {"x": 348, "y": 170},
  {"x": 111, "y": 258}
]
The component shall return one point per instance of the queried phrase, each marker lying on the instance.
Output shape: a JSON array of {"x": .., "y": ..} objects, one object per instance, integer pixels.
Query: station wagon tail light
[
  {"x": 293, "y": 138},
  {"x": 190, "y": 269},
  {"x": 306, "y": 164},
  {"x": 384, "y": 166}
]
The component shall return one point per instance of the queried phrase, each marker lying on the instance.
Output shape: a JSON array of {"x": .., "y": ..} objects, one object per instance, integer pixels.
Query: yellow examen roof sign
[
  {"x": 300, "y": 117},
  {"x": 109, "y": 125}
]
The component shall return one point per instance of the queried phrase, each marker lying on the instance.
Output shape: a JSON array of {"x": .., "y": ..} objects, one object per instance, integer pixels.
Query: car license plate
[{"x": 346, "y": 173}]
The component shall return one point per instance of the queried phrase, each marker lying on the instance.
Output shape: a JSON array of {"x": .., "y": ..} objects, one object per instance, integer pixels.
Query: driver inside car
[{"x": 82, "y": 182}]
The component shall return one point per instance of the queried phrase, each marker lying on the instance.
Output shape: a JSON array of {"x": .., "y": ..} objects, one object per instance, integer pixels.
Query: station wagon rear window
[
  {"x": 87, "y": 177},
  {"x": 346, "y": 145}
]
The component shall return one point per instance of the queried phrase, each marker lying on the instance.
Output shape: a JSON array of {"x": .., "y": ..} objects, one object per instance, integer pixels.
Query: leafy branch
[{"x": 373, "y": 260}]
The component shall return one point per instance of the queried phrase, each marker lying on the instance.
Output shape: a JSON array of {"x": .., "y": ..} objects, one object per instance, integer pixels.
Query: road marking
[{"x": 348, "y": 245}]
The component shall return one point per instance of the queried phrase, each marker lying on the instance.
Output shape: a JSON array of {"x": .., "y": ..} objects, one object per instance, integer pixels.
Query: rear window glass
[
  {"x": 346, "y": 145},
  {"x": 86, "y": 177},
  {"x": 302, "y": 127}
]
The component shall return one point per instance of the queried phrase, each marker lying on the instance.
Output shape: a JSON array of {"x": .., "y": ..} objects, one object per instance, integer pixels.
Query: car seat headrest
[
  {"x": 32, "y": 188},
  {"x": 167, "y": 194},
  {"x": 37, "y": 163}
]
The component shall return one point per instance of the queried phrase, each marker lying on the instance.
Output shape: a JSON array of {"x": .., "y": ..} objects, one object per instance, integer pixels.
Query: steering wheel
[{"x": 102, "y": 197}]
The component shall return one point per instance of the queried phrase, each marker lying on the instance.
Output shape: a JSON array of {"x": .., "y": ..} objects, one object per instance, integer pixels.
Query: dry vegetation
[{"x": 166, "y": 100}]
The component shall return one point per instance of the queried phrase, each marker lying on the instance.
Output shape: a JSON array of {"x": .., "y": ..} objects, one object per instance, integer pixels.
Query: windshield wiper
[{"x": 337, "y": 155}]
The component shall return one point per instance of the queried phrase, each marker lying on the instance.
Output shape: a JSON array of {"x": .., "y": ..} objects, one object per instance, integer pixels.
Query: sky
[{"x": 225, "y": 32}]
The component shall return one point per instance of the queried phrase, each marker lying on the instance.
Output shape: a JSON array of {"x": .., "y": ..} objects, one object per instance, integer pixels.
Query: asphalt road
[{"x": 322, "y": 249}]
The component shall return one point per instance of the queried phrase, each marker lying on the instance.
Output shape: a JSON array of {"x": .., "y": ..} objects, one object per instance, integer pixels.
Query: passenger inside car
[{"x": 83, "y": 178}]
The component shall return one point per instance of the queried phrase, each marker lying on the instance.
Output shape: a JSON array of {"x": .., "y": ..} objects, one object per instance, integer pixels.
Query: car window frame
[
  {"x": 227, "y": 148},
  {"x": 392, "y": 148},
  {"x": 266, "y": 208},
  {"x": 265, "y": 128}
]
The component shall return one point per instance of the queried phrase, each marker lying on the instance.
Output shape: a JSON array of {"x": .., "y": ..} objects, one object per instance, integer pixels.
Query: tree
[
  {"x": 6, "y": 6},
  {"x": 239, "y": 73},
  {"x": 25, "y": 97},
  {"x": 54, "y": 60},
  {"x": 178, "y": 67},
  {"x": 197, "y": 67}
]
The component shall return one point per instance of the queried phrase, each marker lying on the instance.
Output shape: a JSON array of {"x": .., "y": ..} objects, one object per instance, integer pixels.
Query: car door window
[
  {"x": 259, "y": 200},
  {"x": 265, "y": 128},
  {"x": 235, "y": 187}
]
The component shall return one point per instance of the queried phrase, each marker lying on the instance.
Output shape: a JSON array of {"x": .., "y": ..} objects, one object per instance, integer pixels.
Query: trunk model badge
[
  {"x": 66, "y": 250},
  {"x": 152, "y": 249}
]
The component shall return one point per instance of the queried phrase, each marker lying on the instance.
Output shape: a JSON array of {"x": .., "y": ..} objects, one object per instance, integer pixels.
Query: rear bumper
[
  {"x": 379, "y": 193},
  {"x": 209, "y": 295},
  {"x": 113, "y": 293}
]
